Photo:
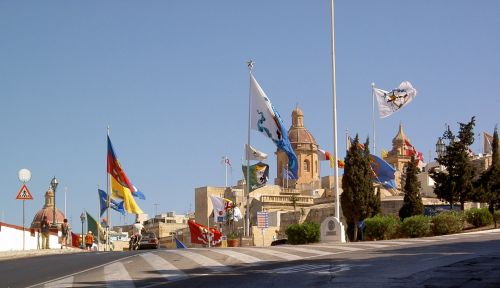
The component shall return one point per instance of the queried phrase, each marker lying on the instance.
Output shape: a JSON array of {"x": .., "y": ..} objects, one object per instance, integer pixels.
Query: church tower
[
  {"x": 306, "y": 149},
  {"x": 399, "y": 155}
]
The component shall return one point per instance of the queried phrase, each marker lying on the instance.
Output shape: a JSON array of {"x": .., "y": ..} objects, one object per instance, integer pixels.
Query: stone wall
[{"x": 268, "y": 236}]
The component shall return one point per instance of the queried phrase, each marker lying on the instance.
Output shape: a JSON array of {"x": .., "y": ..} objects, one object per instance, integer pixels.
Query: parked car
[{"x": 149, "y": 240}]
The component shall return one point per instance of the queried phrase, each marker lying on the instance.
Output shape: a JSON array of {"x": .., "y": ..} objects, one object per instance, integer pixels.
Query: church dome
[
  {"x": 298, "y": 134},
  {"x": 48, "y": 210}
]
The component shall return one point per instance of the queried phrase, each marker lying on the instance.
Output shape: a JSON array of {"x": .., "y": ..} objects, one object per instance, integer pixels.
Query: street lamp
[
  {"x": 82, "y": 217},
  {"x": 440, "y": 148},
  {"x": 53, "y": 184}
]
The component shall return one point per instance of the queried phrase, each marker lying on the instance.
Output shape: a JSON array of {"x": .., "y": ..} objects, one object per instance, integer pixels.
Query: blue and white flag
[
  {"x": 391, "y": 101},
  {"x": 117, "y": 206},
  {"x": 384, "y": 172},
  {"x": 264, "y": 118}
]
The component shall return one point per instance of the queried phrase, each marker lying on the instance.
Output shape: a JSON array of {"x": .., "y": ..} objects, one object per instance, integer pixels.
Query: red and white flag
[{"x": 201, "y": 234}]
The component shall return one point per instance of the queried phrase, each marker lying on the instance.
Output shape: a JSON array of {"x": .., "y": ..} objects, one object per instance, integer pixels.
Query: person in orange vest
[{"x": 89, "y": 240}]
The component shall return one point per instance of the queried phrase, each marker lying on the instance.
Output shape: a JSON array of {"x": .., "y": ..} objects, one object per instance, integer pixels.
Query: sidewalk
[{"x": 7, "y": 255}]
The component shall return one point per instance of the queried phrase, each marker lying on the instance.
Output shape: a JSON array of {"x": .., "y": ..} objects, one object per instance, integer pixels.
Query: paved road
[{"x": 464, "y": 260}]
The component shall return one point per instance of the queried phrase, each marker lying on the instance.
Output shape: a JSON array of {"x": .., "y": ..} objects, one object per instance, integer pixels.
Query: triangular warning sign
[{"x": 24, "y": 194}]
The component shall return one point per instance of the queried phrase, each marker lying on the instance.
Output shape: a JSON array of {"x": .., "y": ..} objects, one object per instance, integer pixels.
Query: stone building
[
  {"x": 48, "y": 210},
  {"x": 286, "y": 196}
]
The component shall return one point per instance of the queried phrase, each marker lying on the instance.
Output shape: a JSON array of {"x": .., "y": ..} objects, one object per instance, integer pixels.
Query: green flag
[
  {"x": 259, "y": 174},
  {"x": 92, "y": 225}
]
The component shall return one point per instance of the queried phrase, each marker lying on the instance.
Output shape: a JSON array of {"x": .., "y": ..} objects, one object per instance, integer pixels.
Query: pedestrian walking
[
  {"x": 44, "y": 227},
  {"x": 64, "y": 233},
  {"x": 89, "y": 240}
]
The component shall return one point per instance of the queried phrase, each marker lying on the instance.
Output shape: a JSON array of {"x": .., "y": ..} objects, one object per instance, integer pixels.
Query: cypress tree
[
  {"x": 412, "y": 200},
  {"x": 358, "y": 197}
]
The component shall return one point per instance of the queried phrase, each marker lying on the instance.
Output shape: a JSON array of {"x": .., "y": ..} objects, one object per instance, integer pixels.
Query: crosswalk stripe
[
  {"x": 238, "y": 256},
  {"x": 306, "y": 250},
  {"x": 116, "y": 275},
  {"x": 163, "y": 267},
  {"x": 300, "y": 268},
  {"x": 202, "y": 260},
  {"x": 282, "y": 255},
  {"x": 65, "y": 282}
]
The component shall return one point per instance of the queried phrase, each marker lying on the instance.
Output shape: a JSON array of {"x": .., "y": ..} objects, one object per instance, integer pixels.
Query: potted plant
[{"x": 232, "y": 239}]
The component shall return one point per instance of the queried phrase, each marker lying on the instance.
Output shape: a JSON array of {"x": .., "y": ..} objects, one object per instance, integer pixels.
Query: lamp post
[
  {"x": 440, "y": 148},
  {"x": 82, "y": 217},
  {"x": 53, "y": 184}
]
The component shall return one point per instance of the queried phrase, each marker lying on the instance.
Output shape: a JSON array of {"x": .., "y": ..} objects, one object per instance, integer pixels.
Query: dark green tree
[
  {"x": 455, "y": 182},
  {"x": 488, "y": 184},
  {"x": 358, "y": 197},
  {"x": 412, "y": 203}
]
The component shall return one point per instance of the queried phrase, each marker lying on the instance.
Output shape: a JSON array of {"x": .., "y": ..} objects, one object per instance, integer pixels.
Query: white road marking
[
  {"x": 164, "y": 268},
  {"x": 65, "y": 282},
  {"x": 372, "y": 245},
  {"x": 238, "y": 256},
  {"x": 306, "y": 250},
  {"x": 116, "y": 275},
  {"x": 202, "y": 260},
  {"x": 344, "y": 248},
  {"x": 282, "y": 255},
  {"x": 300, "y": 268},
  {"x": 398, "y": 242}
]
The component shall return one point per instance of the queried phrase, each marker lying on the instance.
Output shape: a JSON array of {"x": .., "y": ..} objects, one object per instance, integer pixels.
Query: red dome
[{"x": 49, "y": 212}]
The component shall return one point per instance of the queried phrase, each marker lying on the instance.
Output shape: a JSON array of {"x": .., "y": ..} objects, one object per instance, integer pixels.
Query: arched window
[{"x": 307, "y": 166}]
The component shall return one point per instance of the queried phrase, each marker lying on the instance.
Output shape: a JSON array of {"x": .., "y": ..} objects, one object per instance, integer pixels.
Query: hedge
[
  {"x": 416, "y": 226},
  {"x": 382, "y": 227},
  {"x": 479, "y": 217},
  {"x": 447, "y": 223},
  {"x": 303, "y": 233}
]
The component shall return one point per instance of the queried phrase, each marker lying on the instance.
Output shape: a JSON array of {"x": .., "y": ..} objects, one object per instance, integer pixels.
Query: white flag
[
  {"x": 237, "y": 214},
  {"x": 254, "y": 154},
  {"x": 219, "y": 209},
  {"x": 263, "y": 117},
  {"x": 392, "y": 101}
]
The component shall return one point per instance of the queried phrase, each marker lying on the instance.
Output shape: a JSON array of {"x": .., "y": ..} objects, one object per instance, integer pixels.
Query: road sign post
[
  {"x": 262, "y": 223},
  {"x": 24, "y": 175}
]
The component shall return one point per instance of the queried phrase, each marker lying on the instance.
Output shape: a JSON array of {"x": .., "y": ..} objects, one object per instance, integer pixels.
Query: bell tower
[{"x": 305, "y": 147}]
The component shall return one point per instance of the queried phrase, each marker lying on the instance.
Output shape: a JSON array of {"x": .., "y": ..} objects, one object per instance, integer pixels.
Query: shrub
[
  {"x": 416, "y": 226},
  {"x": 496, "y": 215},
  {"x": 303, "y": 233},
  {"x": 447, "y": 223},
  {"x": 479, "y": 217},
  {"x": 381, "y": 227}
]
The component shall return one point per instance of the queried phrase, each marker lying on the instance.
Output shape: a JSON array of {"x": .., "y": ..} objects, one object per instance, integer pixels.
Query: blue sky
[{"x": 170, "y": 79}]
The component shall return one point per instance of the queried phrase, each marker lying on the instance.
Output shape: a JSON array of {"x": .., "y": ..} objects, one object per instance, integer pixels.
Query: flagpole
[
  {"x": 247, "y": 212},
  {"x": 373, "y": 116},
  {"x": 334, "y": 95},
  {"x": 225, "y": 166},
  {"x": 98, "y": 219},
  {"x": 109, "y": 195}
]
